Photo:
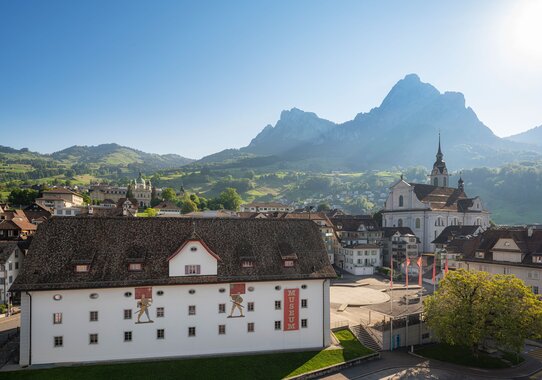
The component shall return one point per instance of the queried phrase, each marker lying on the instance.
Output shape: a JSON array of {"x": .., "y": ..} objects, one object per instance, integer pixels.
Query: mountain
[
  {"x": 402, "y": 131},
  {"x": 114, "y": 154},
  {"x": 532, "y": 136}
]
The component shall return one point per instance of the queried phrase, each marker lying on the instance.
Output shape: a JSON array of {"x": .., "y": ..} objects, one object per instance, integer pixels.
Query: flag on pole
[
  {"x": 446, "y": 266},
  {"x": 391, "y": 271},
  {"x": 434, "y": 268},
  {"x": 407, "y": 263},
  {"x": 419, "y": 262}
]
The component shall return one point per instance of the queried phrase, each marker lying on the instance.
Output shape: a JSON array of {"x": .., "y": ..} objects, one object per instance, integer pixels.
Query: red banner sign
[
  {"x": 140, "y": 292},
  {"x": 237, "y": 289},
  {"x": 291, "y": 309}
]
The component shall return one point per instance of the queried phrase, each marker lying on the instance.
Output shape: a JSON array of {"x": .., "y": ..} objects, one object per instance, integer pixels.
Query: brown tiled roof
[
  {"x": 439, "y": 197},
  {"x": 451, "y": 232},
  {"x": 6, "y": 249},
  {"x": 265, "y": 204},
  {"x": 17, "y": 224},
  {"x": 390, "y": 231},
  {"x": 49, "y": 265},
  {"x": 362, "y": 246},
  {"x": 60, "y": 190},
  {"x": 310, "y": 216},
  {"x": 353, "y": 223},
  {"x": 167, "y": 205},
  {"x": 528, "y": 245}
]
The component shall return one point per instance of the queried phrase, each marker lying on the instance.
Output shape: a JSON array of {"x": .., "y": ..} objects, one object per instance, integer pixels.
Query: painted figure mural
[
  {"x": 235, "y": 298},
  {"x": 144, "y": 297}
]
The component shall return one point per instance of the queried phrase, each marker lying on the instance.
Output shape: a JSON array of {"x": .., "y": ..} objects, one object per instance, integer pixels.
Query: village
[{"x": 81, "y": 282}]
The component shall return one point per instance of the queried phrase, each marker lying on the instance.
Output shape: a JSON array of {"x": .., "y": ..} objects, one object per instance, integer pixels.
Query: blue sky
[{"x": 194, "y": 78}]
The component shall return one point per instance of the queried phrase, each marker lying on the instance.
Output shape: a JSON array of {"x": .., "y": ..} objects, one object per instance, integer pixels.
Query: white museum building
[{"x": 97, "y": 289}]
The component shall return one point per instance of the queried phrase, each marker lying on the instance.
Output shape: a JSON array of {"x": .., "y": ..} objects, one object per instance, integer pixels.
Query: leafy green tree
[
  {"x": 469, "y": 307},
  {"x": 86, "y": 198},
  {"x": 151, "y": 212},
  {"x": 188, "y": 206},
  {"x": 22, "y": 197},
  {"x": 169, "y": 195},
  {"x": 230, "y": 199},
  {"x": 323, "y": 207},
  {"x": 155, "y": 202}
]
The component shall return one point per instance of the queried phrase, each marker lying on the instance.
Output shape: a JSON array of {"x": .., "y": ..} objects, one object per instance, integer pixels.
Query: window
[
  {"x": 250, "y": 306},
  {"x": 435, "y": 182},
  {"x": 506, "y": 270},
  {"x": 57, "y": 318},
  {"x": 221, "y": 308},
  {"x": 191, "y": 331},
  {"x": 400, "y": 223},
  {"x": 535, "y": 289},
  {"x": 445, "y": 182},
  {"x": 17, "y": 265},
  {"x": 418, "y": 223},
  {"x": 92, "y": 338},
  {"x": 127, "y": 313},
  {"x": 400, "y": 201},
  {"x": 221, "y": 329},
  {"x": 277, "y": 325},
  {"x": 192, "y": 269},
  {"x": 93, "y": 316},
  {"x": 304, "y": 323},
  {"x": 288, "y": 263},
  {"x": 277, "y": 305},
  {"x": 247, "y": 263},
  {"x": 127, "y": 336},
  {"x": 303, "y": 303},
  {"x": 192, "y": 310},
  {"x": 250, "y": 327},
  {"x": 160, "y": 334},
  {"x": 159, "y": 312},
  {"x": 135, "y": 267},
  {"x": 58, "y": 341},
  {"x": 82, "y": 268}
]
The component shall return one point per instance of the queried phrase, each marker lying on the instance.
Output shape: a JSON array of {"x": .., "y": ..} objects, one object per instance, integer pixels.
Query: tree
[
  {"x": 129, "y": 192},
  {"x": 151, "y": 212},
  {"x": 323, "y": 207},
  {"x": 188, "y": 206},
  {"x": 230, "y": 199},
  {"x": 169, "y": 195},
  {"x": 22, "y": 197},
  {"x": 470, "y": 307},
  {"x": 86, "y": 198}
]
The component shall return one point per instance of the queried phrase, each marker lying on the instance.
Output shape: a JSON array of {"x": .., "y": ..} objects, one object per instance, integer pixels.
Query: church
[{"x": 429, "y": 208}]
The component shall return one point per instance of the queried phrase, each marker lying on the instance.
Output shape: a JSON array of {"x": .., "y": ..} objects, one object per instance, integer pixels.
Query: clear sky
[{"x": 194, "y": 78}]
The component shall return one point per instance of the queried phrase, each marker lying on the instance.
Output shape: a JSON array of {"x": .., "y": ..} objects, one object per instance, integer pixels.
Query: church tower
[{"x": 439, "y": 175}]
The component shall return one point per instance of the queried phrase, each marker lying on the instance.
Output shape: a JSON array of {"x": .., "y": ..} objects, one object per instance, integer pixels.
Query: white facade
[
  {"x": 9, "y": 269},
  {"x": 75, "y": 306},
  {"x": 404, "y": 209},
  {"x": 362, "y": 259}
]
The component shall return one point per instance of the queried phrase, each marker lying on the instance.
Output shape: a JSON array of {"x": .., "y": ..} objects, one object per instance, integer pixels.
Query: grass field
[
  {"x": 463, "y": 356},
  {"x": 269, "y": 366}
]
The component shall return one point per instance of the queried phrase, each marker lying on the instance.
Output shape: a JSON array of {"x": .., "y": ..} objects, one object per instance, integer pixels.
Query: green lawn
[
  {"x": 463, "y": 356},
  {"x": 268, "y": 366}
]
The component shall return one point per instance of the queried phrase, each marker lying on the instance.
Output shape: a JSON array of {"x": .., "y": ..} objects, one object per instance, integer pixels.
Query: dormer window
[
  {"x": 82, "y": 268},
  {"x": 192, "y": 269},
  {"x": 247, "y": 264},
  {"x": 289, "y": 263},
  {"x": 135, "y": 267}
]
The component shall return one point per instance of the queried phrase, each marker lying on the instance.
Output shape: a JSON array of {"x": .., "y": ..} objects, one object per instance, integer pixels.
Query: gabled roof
[
  {"x": 191, "y": 240},
  {"x": 167, "y": 205},
  {"x": 353, "y": 223},
  {"x": 48, "y": 263},
  {"x": 390, "y": 231},
  {"x": 6, "y": 249},
  {"x": 439, "y": 197},
  {"x": 451, "y": 232}
]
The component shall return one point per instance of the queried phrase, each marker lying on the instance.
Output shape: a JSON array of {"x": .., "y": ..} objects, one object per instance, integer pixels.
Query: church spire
[{"x": 439, "y": 174}]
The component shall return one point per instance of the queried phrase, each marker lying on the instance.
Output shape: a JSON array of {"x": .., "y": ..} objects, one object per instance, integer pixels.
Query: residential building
[
  {"x": 507, "y": 250},
  {"x": 399, "y": 242},
  {"x": 139, "y": 288},
  {"x": 361, "y": 259},
  {"x": 59, "y": 198},
  {"x": 167, "y": 208},
  {"x": 453, "y": 242},
  {"x": 11, "y": 259},
  {"x": 429, "y": 208}
]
